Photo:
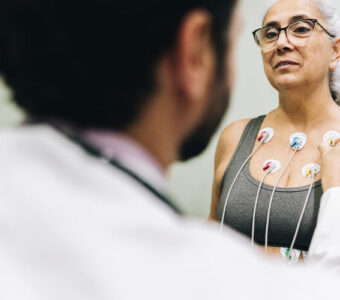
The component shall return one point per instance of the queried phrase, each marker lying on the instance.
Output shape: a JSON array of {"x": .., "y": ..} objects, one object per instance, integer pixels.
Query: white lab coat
[
  {"x": 325, "y": 246},
  {"x": 74, "y": 227}
]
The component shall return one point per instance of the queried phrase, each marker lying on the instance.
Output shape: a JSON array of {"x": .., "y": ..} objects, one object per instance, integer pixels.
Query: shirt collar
[{"x": 128, "y": 152}]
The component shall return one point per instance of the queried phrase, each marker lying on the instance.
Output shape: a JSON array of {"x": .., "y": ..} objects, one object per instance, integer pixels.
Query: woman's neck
[{"x": 305, "y": 108}]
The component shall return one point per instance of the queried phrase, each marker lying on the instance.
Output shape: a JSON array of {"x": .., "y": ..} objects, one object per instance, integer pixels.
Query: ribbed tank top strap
[{"x": 244, "y": 147}]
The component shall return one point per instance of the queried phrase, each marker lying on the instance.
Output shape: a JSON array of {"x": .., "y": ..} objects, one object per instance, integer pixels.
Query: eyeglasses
[{"x": 297, "y": 33}]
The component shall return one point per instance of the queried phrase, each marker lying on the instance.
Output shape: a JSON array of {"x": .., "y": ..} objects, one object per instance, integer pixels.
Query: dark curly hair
[{"x": 91, "y": 62}]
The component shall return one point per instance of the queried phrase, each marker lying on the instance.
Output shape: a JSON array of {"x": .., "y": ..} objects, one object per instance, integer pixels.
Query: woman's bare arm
[{"x": 226, "y": 146}]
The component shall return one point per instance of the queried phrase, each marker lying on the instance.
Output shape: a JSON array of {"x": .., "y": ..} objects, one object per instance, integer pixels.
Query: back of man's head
[{"x": 92, "y": 62}]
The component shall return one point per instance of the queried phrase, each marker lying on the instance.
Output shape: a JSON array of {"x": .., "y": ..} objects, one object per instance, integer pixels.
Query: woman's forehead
[{"x": 284, "y": 12}]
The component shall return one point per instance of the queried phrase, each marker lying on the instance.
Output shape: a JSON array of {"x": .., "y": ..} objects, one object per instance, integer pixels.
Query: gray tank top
[{"x": 286, "y": 206}]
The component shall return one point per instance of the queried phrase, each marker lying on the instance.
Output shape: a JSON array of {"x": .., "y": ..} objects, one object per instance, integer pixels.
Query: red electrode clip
[
  {"x": 260, "y": 137},
  {"x": 267, "y": 166}
]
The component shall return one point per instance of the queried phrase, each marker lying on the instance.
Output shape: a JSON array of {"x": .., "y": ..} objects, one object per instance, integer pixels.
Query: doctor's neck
[{"x": 159, "y": 128}]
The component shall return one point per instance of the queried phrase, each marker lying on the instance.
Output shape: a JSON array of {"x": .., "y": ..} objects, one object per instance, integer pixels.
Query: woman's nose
[{"x": 283, "y": 43}]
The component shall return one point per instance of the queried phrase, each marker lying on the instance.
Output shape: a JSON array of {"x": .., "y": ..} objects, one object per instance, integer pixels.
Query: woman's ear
[{"x": 336, "y": 55}]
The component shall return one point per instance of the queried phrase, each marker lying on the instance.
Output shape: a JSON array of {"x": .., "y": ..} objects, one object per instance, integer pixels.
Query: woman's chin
[{"x": 287, "y": 82}]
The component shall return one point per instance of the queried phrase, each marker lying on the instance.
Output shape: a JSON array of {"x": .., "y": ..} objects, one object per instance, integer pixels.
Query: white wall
[{"x": 190, "y": 183}]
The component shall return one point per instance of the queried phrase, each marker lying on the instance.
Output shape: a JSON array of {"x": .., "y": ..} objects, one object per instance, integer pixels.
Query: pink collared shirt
[{"x": 130, "y": 154}]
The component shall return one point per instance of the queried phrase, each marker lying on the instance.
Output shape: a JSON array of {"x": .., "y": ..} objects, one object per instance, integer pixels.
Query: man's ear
[
  {"x": 194, "y": 59},
  {"x": 336, "y": 55}
]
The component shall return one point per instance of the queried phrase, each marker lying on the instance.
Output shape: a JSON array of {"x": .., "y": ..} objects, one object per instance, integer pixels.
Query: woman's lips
[{"x": 285, "y": 64}]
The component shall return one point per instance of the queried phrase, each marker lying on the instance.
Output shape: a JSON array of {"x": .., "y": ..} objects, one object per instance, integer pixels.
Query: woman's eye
[
  {"x": 271, "y": 35},
  {"x": 301, "y": 29}
]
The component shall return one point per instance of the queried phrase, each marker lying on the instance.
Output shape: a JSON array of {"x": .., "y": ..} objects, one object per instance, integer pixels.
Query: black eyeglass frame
[{"x": 314, "y": 22}]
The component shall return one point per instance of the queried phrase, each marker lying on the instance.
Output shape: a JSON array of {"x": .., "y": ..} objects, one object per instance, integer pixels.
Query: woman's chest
[
  {"x": 292, "y": 164},
  {"x": 248, "y": 206}
]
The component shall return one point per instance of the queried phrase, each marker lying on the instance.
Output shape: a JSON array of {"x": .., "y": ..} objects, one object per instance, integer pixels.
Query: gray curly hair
[{"x": 329, "y": 14}]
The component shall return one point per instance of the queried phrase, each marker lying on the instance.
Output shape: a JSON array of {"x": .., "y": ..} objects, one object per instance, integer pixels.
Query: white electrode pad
[
  {"x": 297, "y": 140},
  {"x": 267, "y": 133},
  {"x": 271, "y": 165},
  {"x": 310, "y": 169},
  {"x": 330, "y": 137}
]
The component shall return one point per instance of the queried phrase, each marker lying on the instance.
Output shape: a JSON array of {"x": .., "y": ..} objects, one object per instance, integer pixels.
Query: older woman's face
[{"x": 308, "y": 64}]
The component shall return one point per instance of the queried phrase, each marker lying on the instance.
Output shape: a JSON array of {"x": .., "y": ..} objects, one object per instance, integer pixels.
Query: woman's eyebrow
[
  {"x": 291, "y": 20},
  {"x": 272, "y": 24},
  {"x": 299, "y": 17}
]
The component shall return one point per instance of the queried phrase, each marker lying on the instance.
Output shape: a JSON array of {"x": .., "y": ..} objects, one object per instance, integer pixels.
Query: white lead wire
[
  {"x": 255, "y": 206},
  {"x": 301, "y": 216},
  {"x": 231, "y": 187},
  {"x": 271, "y": 199}
]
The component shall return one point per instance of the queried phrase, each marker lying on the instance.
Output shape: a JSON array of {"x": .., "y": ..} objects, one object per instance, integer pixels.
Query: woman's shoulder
[
  {"x": 227, "y": 143},
  {"x": 231, "y": 134},
  {"x": 235, "y": 128}
]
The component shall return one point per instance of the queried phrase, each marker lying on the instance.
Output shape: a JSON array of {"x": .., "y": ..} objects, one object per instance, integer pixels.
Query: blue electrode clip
[{"x": 297, "y": 140}]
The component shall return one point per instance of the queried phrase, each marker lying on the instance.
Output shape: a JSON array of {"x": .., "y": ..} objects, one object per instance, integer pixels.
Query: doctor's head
[
  {"x": 300, "y": 45},
  {"x": 110, "y": 64}
]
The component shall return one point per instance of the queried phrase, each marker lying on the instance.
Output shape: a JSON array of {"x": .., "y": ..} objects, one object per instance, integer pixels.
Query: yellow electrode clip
[
  {"x": 330, "y": 137},
  {"x": 331, "y": 141},
  {"x": 310, "y": 169}
]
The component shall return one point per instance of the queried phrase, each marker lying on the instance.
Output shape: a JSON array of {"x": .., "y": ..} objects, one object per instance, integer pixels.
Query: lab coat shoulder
[
  {"x": 67, "y": 211},
  {"x": 46, "y": 164}
]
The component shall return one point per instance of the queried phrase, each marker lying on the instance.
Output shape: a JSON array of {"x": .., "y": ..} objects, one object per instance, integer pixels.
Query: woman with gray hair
[{"x": 300, "y": 47}]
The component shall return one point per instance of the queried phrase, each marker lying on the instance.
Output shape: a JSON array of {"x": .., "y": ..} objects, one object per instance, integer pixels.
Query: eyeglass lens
[{"x": 297, "y": 33}]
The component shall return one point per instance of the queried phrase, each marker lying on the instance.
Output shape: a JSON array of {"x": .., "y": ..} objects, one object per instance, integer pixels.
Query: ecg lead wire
[
  {"x": 297, "y": 142},
  {"x": 269, "y": 166},
  {"x": 255, "y": 206},
  {"x": 264, "y": 136},
  {"x": 271, "y": 200},
  {"x": 310, "y": 170}
]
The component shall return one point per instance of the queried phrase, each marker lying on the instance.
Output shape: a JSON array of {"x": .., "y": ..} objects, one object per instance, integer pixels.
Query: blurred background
[{"x": 190, "y": 182}]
